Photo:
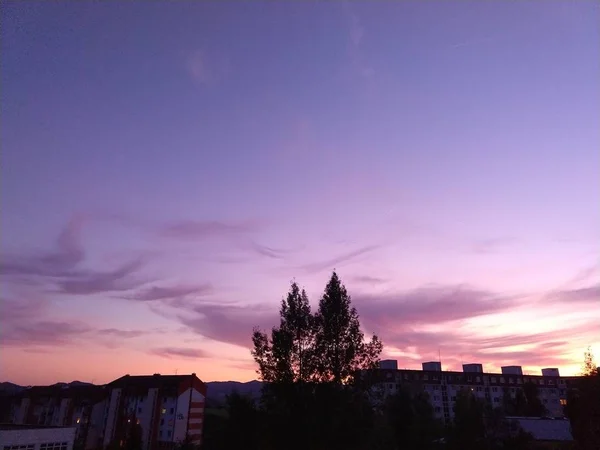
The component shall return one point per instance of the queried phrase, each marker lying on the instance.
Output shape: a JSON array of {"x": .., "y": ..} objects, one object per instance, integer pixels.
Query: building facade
[
  {"x": 162, "y": 409},
  {"x": 77, "y": 406},
  {"x": 159, "y": 411},
  {"x": 35, "y": 437},
  {"x": 443, "y": 387}
]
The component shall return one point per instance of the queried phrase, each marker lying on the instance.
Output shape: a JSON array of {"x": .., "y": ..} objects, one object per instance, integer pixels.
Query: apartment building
[
  {"x": 166, "y": 409},
  {"x": 442, "y": 387},
  {"x": 161, "y": 410},
  {"x": 78, "y": 406},
  {"x": 36, "y": 437}
]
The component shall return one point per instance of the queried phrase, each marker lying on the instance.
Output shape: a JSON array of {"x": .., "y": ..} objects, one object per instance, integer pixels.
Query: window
[
  {"x": 479, "y": 389},
  {"x": 169, "y": 433},
  {"x": 162, "y": 421},
  {"x": 171, "y": 411},
  {"x": 519, "y": 381},
  {"x": 139, "y": 410},
  {"x": 563, "y": 402},
  {"x": 511, "y": 381},
  {"x": 54, "y": 446},
  {"x": 501, "y": 379},
  {"x": 493, "y": 379},
  {"x": 478, "y": 379},
  {"x": 453, "y": 398},
  {"x": 19, "y": 447},
  {"x": 494, "y": 389},
  {"x": 496, "y": 400},
  {"x": 438, "y": 409},
  {"x": 436, "y": 398},
  {"x": 164, "y": 399},
  {"x": 163, "y": 411},
  {"x": 541, "y": 382},
  {"x": 426, "y": 377}
]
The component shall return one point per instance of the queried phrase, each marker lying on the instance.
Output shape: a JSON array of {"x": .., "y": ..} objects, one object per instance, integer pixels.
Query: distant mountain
[
  {"x": 217, "y": 390},
  {"x": 9, "y": 388}
]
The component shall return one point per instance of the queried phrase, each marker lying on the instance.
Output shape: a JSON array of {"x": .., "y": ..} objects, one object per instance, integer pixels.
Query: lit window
[
  {"x": 563, "y": 402},
  {"x": 163, "y": 411},
  {"x": 78, "y": 420}
]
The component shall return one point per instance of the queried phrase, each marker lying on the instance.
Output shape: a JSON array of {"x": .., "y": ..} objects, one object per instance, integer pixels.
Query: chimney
[
  {"x": 388, "y": 364},
  {"x": 512, "y": 370},
  {"x": 473, "y": 368},
  {"x": 432, "y": 366}
]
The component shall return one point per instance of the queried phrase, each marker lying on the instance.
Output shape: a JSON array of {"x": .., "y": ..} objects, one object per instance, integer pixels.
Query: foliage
[
  {"x": 410, "y": 420},
  {"x": 468, "y": 428},
  {"x": 339, "y": 342},
  {"x": 533, "y": 404},
  {"x": 327, "y": 346},
  {"x": 583, "y": 406}
]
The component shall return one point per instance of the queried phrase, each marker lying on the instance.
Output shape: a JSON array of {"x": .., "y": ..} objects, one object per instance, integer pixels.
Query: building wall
[
  {"x": 182, "y": 412},
  {"x": 443, "y": 388},
  {"x": 196, "y": 417},
  {"x": 22, "y": 411},
  {"x": 33, "y": 438},
  {"x": 112, "y": 414}
]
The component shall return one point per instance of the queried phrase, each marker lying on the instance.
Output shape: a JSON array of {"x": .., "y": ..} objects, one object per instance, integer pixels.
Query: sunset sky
[{"x": 169, "y": 168}]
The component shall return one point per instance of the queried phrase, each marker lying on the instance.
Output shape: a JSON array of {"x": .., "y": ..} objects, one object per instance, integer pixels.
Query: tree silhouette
[
  {"x": 583, "y": 406},
  {"x": 287, "y": 356},
  {"x": 326, "y": 347},
  {"x": 341, "y": 350}
]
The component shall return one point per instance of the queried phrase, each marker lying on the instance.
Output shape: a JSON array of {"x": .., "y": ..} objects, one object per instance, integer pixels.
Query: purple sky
[{"x": 169, "y": 168}]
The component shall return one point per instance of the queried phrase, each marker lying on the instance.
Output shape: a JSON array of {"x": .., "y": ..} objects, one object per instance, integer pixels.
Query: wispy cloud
[
  {"x": 207, "y": 229},
  {"x": 429, "y": 305},
  {"x": 356, "y": 33},
  {"x": 228, "y": 323},
  {"x": 179, "y": 352},
  {"x": 485, "y": 246},
  {"x": 168, "y": 292},
  {"x": 205, "y": 68},
  {"x": 95, "y": 282},
  {"x": 60, "y": 262},
  {"x": 61, "y": 269},
  {"x": 269, "y": 252},
  {"x": 331, "y": 264},
  {"x": 367, "y": 279}
]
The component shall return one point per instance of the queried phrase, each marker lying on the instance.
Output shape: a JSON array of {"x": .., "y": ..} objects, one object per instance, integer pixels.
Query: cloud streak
[
  {"x": 169, "y": 292},
  {"x": 179, "y": 352},
  {"x": 197, "y": 230},
  {"x": 331, "y": 264}
]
